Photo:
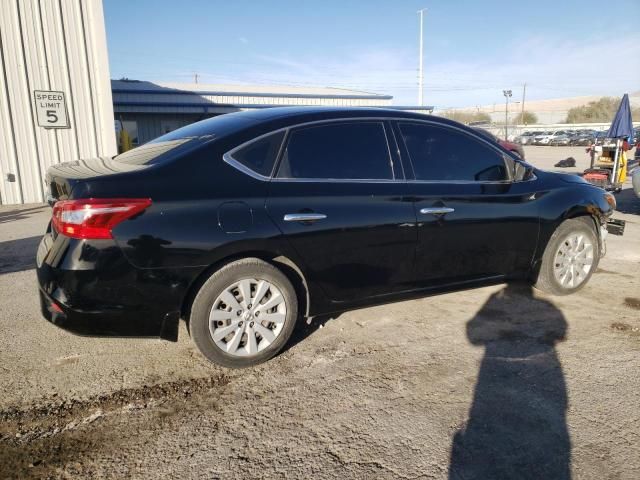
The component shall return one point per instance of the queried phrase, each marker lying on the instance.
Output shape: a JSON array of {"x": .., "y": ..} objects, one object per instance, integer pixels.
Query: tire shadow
[
  {"x": 516, "y": 426},
  {"x": 305, "y": 327},
  {"x": 628, "y": 202},
  {"x": 20, "y": 213},
  {"x": 18, "y": 255}
]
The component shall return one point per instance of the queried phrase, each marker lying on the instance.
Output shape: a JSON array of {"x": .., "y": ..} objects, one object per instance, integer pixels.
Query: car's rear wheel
[
  {"x": 570, "y": 258},
  {"x": 243, "y": 314}
]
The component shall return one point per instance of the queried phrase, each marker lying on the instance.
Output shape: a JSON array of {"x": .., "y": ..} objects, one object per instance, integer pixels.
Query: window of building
[{"x": 131, "y": 127}]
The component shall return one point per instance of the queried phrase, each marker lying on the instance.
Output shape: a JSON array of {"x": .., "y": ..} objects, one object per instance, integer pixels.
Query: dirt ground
[{"x": 500, "y": 382}]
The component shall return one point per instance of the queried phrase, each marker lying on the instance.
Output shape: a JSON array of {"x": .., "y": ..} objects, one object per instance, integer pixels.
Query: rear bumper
[
  {"x": 89, "y": 288},
  {"x": 107, "y": 324}
]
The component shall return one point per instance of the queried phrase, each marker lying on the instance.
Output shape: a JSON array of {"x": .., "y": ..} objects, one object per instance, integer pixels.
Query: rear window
[
  {"x": 161, "y": 147},
  {"x": 150, "y": 152}
]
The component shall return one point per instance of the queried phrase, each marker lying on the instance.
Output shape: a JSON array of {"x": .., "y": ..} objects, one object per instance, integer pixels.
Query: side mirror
[
  {"x": 528, "y": 172},
  {"x": 522, "y": 172}
]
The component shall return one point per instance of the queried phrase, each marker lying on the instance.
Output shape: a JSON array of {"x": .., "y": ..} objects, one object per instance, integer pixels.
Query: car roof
[
  {"x": 296, "y": 114},
  {"x": 274, "y": 118},
  {"x": 486, "y": 133}
]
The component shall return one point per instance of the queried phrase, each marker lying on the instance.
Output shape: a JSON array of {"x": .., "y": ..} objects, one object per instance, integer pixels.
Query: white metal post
[
  {"x": 421, "y": 68},
  {"x": 507, "y": 94},
  {"x": 616, "y": 161}
]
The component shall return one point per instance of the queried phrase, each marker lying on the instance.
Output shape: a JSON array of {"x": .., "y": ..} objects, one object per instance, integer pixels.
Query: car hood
[{"x": 561, "y": 177}]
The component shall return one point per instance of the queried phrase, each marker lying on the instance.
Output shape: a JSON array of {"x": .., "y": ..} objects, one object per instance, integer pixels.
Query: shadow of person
[{"x": 517, "y": 423}]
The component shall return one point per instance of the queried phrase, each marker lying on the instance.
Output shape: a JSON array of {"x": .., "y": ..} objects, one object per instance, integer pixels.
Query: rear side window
[
  {"x": 445, "y": 154},
  {"x": 356, "y": 151},
  {"x": 260, "y": 156}
]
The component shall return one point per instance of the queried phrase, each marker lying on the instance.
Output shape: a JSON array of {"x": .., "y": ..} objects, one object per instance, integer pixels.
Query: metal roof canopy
[{"x": 135, "y": 96}]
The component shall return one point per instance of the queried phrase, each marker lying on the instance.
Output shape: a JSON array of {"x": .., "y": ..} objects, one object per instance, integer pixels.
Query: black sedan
[{"x": 244, "y": 223}]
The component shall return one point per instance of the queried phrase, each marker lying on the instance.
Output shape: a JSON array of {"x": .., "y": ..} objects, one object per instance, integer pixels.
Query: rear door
[
  {"x": 339, "y": 196},
  {"x": 474, "y": 221}
]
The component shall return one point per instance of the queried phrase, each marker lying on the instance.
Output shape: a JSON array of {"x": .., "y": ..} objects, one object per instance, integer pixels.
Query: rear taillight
[{"x": 94, "y": 218}]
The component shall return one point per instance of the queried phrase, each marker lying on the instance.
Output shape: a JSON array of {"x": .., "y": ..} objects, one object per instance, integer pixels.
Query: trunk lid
[{"x": 62, "y": 178}]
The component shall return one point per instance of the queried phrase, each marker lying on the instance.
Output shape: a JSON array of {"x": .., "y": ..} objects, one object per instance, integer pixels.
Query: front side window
[
  {"x": 444, "y": 154},
  {"x": 260, "y": 156},
  {"x": 356, "y": 151}
]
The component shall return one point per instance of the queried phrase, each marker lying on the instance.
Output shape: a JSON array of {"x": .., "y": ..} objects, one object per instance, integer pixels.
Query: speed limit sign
[{"x": 51, "y": 109}]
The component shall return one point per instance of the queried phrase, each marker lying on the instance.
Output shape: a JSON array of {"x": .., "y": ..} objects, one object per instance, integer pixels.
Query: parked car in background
[
  {"x": 573, "y": 136},
  {"x": 561, "y": 139},
  {"x": 600, "y": 137},
  {"x": 245, "y": 223},
  {"x": 635, "y": 179},
  {"x": 542, "y": 138},
  {"x": 583, "y": 138},
  {"x": 558, "y": 134},
  {"x": 511, "y": 146},
  {"x": 525, "y": 138}
]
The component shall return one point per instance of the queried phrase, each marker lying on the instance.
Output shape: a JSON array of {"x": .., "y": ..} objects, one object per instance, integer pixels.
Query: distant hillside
[{"x": 548, "y": 111}]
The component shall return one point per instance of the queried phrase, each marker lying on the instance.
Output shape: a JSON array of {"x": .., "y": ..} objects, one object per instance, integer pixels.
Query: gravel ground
[{"x": 500, "y": 382}]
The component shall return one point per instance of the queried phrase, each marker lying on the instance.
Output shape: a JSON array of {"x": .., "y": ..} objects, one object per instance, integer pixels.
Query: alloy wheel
[
  {"x": 573, "y": 260},
  {"x": 247, "y": 317}
]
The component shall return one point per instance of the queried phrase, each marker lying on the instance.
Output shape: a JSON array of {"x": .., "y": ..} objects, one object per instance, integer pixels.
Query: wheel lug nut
[
  {"x": 251, "y": 324},
  {"x": 257, "y": 313},
  {"x": 249, "y": 306},
  {"x": 239, "y": 324},
  {"x": 239, "y": 312}
]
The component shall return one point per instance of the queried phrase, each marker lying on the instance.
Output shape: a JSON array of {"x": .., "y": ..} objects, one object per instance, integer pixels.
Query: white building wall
[{"x": 57, "y": 45}]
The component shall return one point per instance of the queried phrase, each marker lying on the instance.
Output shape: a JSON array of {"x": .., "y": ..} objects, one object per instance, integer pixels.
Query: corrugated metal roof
[
  {"x": 136, "y": 86},
  {"x": 142, "y": 96}
]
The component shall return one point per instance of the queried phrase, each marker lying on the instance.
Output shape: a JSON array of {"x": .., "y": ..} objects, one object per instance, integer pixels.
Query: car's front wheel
[
  {"x": 243, "y": 314},
  {"x": 570, "y": 258}
]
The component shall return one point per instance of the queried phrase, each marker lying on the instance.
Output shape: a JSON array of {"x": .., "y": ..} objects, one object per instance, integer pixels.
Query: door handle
[
  {"x": 304, "y": 217},
  {"x": 436, "y": 210}
]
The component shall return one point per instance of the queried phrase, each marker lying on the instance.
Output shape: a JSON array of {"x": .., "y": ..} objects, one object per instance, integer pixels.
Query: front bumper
[{"x": 615, "y": 226}]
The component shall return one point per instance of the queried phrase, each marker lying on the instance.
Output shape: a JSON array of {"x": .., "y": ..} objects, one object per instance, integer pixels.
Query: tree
[
  {"x": 466, "y": 117},
  {"x": 527, "y": 118},
  {"x": 601, "y": 110}
]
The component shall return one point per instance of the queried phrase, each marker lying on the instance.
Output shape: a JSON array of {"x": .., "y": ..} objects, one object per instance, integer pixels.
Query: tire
[
  {"x": 222, "y": 297},
  {"x": 550, "y": 277}
]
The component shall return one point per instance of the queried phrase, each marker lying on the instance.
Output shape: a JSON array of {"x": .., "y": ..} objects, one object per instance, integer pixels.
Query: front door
[
  {"x": 474, "y": 221},
  {"x": 340, "y": 199}
]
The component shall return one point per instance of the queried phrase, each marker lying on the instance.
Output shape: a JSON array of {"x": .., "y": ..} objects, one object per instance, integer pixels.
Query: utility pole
[
  {"x": 507, "y": 94},
  {"x": 195, "y": 78},
  {"x": 524, "y": 92},
  {"x": 421, "y": 68}
]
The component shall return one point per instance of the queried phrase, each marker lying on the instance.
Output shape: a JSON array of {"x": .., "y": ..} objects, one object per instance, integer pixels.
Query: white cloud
[
  {"x": 551, "y": 67},
  {"x": 243, "y": 40}
]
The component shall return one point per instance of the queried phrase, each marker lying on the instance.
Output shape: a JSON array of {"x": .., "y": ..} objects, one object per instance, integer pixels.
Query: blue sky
[{"x": 472, "y": 49}]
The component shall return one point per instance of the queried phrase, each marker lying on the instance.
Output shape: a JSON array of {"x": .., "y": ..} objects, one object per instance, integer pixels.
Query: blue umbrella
[{"x": 622, "y": 125}]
